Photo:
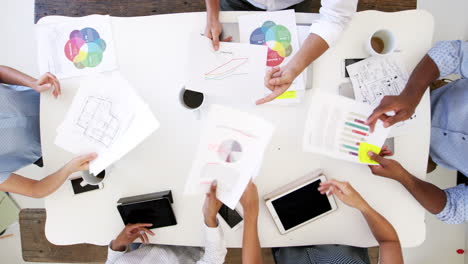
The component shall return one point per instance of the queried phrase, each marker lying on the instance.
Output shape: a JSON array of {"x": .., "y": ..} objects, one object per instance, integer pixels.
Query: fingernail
[
  {"x": 370, "y": 153},
  {"x": 215, "y": 183}
]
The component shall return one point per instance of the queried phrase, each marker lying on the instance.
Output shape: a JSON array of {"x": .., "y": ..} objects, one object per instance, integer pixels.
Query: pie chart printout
[
  {"x": 230, "y": 151},
  {"x": 278, "y": 40},
  {"x": 85, "y": 48}
]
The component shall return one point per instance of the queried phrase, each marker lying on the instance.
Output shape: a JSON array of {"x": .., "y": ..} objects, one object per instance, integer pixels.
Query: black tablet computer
[{"x": 155, "y": 210}]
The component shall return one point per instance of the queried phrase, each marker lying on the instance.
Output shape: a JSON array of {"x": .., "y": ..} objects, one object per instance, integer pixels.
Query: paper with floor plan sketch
[
  {"x": 106, "y": 117},
  {"x": 79, "y": 46},
  {"x": 335, "y": 127},
  {"x": 375, "y": 77},
  {"x": 230, "y": 151},
  {"x": 235, "y": 70}
]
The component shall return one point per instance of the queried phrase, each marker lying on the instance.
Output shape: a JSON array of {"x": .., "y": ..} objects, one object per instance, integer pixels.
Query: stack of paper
[
  {"x": 278, "y": 31},
  {"x": 235, "y": 70},
  {"x": 336, "y": 127},
  {"x": 230, "y": 151},
  {"x": 78, "y": 47},
  {"x": 106, "y": 117}
]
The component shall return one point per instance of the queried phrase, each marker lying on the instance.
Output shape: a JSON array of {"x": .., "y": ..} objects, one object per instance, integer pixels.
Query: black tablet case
[{"x": 144, "y": 198}]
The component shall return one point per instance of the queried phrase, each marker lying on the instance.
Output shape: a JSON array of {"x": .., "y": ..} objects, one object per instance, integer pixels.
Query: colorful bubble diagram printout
[
  {"x": 278, "y": 40},
  {"x": 85, "y": 48}
]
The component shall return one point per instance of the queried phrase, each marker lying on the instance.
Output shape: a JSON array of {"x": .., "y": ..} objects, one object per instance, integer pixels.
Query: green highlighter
[{"x": 9, "y": 211}]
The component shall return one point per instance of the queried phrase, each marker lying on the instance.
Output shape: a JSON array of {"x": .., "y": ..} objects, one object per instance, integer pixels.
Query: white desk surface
[{"x": 151, "y": 52}]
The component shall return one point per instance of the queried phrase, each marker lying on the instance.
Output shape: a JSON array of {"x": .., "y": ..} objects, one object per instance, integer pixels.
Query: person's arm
[
  {"x": 213, "y": 26},
  {"x": 405, "y": 104},
  {"x": 383, "y": 231},
  {"x": 42, "y": 188},
  {"x": 445, "y": 58},
  {"x": 45, "y": 82},
  {"x": 455, "y": 209},
  {"x": 215, "y": 247},
  {"x": 251, "y": 250},
  {"x": 324, "y": 33},
  {"x": 119, "y": 246},
  {"x": 428, "y": 195}
]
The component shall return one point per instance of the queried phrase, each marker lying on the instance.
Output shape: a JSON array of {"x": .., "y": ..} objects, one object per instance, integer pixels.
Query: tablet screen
[
  {"x": 158, "y": 212},
  {"x": 301, "y": 205}
]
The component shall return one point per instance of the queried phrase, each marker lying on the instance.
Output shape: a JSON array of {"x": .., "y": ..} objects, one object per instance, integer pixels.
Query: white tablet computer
[{"x": 300, "y": 205}]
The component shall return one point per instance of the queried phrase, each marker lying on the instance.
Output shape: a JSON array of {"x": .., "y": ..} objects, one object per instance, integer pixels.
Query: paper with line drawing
[
  {"x": 105, "y": 117},
  {"x": 235, "y": 70}
]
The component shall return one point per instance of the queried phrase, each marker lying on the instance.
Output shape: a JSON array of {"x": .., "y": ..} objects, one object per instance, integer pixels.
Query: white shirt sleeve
[
  {"x": 215, "y": 246},
  {"x": 334, "y": 17},
  {"x": 113, "y": 256}
]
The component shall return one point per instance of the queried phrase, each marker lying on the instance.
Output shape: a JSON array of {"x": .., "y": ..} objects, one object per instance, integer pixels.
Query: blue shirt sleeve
[
  {"x": 449, "y": 57},
  {"x": 455, "y": 211}
]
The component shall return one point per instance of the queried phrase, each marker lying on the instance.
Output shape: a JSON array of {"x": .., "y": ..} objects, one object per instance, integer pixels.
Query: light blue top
[
  {"x": 20, "y": 143},
  {"x": 449, "y": 133}
]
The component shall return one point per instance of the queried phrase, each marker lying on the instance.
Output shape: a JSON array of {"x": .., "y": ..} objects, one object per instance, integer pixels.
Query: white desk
[{"x": 151, "y": 52}]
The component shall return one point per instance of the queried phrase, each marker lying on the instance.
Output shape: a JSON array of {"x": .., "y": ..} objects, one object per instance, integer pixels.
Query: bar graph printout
[{"x": 336, "y": 127}]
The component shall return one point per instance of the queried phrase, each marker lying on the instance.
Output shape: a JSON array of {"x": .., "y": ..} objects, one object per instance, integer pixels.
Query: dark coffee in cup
[
  {"x": 192, "y": 99},
  {"x": 377, "y": 44}
]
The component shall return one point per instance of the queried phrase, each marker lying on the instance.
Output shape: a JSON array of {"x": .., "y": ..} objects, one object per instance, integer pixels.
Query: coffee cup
[
  {"x": 381, "y": 43},
  {"x": 91, "y": 179},
  {"x": 191, "y": 100}
]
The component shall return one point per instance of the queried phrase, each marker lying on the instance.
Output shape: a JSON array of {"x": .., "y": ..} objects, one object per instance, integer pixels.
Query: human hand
[
  {"x": 403, "y": 106},
  {"x": 345, "y": 192},
  {"x": 387, "y": 167},
  {"x": 213, "y": 31},
  {"x": 129, "y": 234},
  {"x": 80, "y": 163},
  {"x": 47, "y": 81},
  {"x": 211, "y": 206},
  {"x": 385, "y": 151},
  {"x": 278, "y": 80},
  {"x": 249, "y": 201}
]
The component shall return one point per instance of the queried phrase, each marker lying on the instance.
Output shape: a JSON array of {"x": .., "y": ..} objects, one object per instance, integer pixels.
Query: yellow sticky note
[
  {"x": 364, "y": 148},
  {"x": 287, "y": 95}
]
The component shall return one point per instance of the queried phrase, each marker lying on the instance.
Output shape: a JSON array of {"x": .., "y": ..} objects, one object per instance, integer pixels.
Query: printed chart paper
[
  {"x": 278, "y": 31},
  {"x": 375, "y": 77},
  {"x": 106, "y": 117},
  {"x": 231, "y": 151},
  {"x": 336, "y": 127},
  {"x": 79, "y": 47},
  {"x": 235, "y": 70}
]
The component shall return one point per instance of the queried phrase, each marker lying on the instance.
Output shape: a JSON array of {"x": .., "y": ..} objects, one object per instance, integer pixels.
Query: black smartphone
[
  {"x": 231, "y": 217},
  {"x": 348, "y": 62},
  {"x": 77, "y": 188}
]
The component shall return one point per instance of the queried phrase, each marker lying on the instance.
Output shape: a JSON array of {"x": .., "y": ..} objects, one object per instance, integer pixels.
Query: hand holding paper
[
  {"x": 336, "y": 127},
  {"x": 230, "y": 151}
]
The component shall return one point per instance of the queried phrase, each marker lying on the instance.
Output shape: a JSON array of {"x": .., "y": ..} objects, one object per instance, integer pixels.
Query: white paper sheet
[
  {"x": 79, "y": 47},
  {"x": 235, "y": 70},
  {"x": 375, "y": 77},
  {"x": 278, "y": 31},
  {"x": 231, "y": 151},
  {"x": 106, "y": 117},
  {"x": 335, "y": 127}
]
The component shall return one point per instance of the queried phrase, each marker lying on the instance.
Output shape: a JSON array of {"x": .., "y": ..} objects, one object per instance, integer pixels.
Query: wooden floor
[{"x": 126, "y": 8}]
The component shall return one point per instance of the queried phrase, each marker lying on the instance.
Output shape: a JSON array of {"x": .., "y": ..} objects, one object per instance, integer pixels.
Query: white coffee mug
[
  {"x": 387, "y": 40},
  {"x": 91, "y": 179},
  {"x": 195, "y": 109}
]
